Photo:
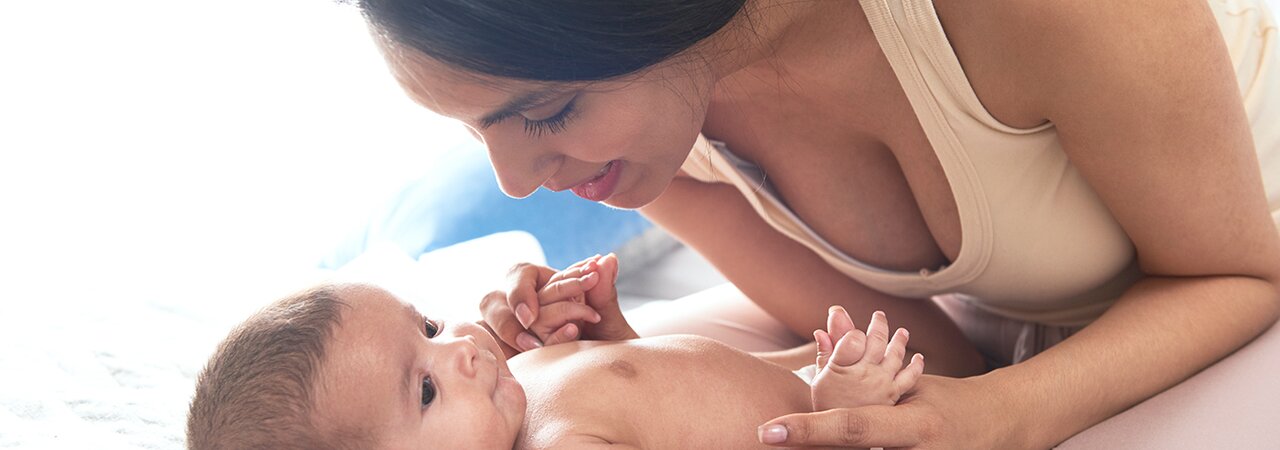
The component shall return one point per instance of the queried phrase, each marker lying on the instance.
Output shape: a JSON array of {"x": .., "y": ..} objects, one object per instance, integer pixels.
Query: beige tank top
[{"x": 1038, "y": 245}]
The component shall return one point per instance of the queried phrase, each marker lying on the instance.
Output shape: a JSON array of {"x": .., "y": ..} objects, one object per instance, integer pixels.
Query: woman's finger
[
  {"x": 566, "y": 333},
  {"x": 604, "y": 297},
  {"x": 868, "y": 426},
  {"x": 498, "y": 315},
  {"x": 877, "y": 338},
  {"x": 522, "y": 294}
]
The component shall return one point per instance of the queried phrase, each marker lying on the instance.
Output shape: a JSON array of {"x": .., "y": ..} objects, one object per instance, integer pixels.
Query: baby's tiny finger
[
  {"x": 896, "y": 351},
  {"x": 906, "y": 379},
  {"x": 564, "y": 312},
  {"x": 566, "y": 289},
  {"x": 824, "y": 347},
  {"x": 838, "y": 322},
  {"x": 577, "y": 270},
  {"x": 877, "y": 337},
  {"x": 849, "y": 349}
]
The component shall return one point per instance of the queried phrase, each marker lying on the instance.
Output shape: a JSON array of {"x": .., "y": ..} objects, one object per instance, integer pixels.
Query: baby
[{"x": 352, "y": 366}]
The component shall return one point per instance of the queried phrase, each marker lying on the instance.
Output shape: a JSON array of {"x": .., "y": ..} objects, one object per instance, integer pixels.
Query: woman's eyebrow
[{"x": 516, "y": 105}]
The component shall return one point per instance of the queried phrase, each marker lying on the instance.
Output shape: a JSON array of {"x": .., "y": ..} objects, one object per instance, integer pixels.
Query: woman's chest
[{"x": 854, "y": 165}]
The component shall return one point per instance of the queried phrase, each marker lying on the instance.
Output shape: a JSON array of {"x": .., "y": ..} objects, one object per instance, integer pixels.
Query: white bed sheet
[{"x": 115, "y": 372}]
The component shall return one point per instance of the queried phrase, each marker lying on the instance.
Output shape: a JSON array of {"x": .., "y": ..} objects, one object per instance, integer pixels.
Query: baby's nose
[{"x": 464, "y": 352}]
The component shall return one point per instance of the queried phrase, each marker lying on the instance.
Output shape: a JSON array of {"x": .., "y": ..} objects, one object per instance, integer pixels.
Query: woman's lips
[{"x": 601, "y": 187}]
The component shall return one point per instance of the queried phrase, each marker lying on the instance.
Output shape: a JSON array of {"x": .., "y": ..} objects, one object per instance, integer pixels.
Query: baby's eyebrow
[
  {"x": 410, "y": 384},
  {"x": 406, "y": 388},
  {"x": 417, "y": 316}
]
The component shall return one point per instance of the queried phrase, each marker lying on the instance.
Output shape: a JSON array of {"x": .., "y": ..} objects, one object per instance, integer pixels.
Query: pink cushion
[{"x": 1232, "y": 404}]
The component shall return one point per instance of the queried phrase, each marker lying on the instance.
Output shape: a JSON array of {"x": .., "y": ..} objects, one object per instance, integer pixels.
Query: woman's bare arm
[{"x": 1152, "y": 117}]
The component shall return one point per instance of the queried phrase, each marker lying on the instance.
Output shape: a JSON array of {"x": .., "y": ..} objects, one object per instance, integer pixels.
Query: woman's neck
[{"x": 782, "y": 34}]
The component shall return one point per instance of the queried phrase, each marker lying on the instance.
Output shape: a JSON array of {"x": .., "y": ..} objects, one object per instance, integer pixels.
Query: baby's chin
[{"x": 510, "y": 398}]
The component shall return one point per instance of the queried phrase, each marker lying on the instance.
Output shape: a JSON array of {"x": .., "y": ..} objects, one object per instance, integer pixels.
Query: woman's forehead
[
  {"x": 465, "y": 95},
  {"x": 449, "y": 90}
]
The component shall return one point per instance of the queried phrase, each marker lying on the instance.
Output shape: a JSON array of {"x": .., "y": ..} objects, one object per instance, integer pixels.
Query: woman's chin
[{"x": 637, "y": 196}]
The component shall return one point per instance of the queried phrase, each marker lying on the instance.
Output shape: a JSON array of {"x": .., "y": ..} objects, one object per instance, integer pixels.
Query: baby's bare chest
[{"x": 670, "y": 393}]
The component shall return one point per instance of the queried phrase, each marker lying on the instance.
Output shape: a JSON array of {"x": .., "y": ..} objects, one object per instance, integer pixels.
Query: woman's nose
[{"x": 521, "y": 168}]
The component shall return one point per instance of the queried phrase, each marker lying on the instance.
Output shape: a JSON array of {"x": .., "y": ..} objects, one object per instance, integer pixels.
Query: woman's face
[{"x": 617, "y": 142}]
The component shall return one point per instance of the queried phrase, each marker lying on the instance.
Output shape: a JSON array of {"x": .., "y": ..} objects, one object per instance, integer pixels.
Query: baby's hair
[{"x": 258, "y": 388}]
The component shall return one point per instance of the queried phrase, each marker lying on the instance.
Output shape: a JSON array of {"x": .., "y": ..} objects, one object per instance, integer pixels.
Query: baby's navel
[{"x": 623, "y": 369}]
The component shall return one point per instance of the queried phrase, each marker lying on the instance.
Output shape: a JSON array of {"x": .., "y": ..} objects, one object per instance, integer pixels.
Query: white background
[
  {"x": 167, "y": 167},
  {"x": 147, "y": 145}
]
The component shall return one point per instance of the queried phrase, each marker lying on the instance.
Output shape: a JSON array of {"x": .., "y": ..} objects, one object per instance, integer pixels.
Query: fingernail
[
  {"x": 590, "y": 278},
  {"x": 523, "y": 313},
  {"x": 595, "y": 317},
  {"x": 571, "y": 331},
  {"x": 527, "y": 342},
  {"x": 773, "y": 434}
]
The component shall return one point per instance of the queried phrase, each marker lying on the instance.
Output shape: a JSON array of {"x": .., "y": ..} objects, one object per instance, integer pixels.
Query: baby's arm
[{"x": 856, "y": 369}]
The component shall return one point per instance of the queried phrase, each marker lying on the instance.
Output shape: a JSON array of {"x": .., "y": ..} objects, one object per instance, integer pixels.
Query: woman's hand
[{"x": 940, "y": 413}]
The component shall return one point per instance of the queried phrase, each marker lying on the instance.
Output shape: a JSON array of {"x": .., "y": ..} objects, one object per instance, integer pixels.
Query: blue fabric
[{"x": 459, "y": 200}]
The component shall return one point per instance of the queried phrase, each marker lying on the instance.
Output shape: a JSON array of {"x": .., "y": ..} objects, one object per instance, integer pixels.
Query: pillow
[
  {"x": 458, "y": 199},
  {"x": 447, "y": 282}
]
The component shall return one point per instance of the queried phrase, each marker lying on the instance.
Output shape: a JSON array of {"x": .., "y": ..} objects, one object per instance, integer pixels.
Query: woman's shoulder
[{"x": 1019, "y": 55}]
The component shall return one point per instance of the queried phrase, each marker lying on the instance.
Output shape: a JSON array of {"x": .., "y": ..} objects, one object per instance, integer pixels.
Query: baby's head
[{"x": 352, "y": 366}]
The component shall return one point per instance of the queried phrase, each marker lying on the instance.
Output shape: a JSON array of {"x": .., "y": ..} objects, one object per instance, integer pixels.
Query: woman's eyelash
[
  {"x": 553, "y": 124},
  {"x": 428, "y": 391}
]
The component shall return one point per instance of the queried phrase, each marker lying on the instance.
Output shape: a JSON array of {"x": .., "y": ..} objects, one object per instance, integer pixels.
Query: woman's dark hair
[{"x": 550, "y": 40}]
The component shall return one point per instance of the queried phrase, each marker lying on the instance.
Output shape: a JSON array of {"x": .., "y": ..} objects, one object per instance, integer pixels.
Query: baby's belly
[{"x": 658, "y": 393}]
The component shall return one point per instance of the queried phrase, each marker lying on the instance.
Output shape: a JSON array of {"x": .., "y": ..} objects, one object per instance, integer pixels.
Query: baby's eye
[
  {"x": 431, "y": 328},
  {"x": 428, "y": 391}
]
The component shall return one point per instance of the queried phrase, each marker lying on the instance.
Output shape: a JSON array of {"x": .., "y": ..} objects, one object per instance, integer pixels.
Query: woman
[{"x": 1072, "y": 172}]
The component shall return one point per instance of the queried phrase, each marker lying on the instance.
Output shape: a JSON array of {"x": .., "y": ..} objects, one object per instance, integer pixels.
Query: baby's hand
[
  {"x": 856, "y": 369},
  {"x": 562, "y": 303},
  {"x": 581, "y": 301}
]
